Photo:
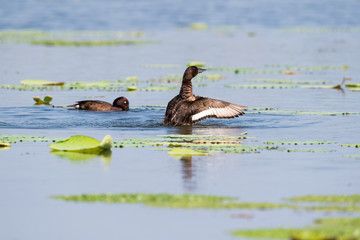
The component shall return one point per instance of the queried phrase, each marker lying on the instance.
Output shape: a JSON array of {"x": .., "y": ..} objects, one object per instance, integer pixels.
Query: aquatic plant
[
  {"x": 40, "y": 82},
  {"x": 85, "y": 144},
  {"x": 4, "y": 145},
  {"x": 335, "y": 199},
  {"x": 184, "y": 152},
  {"x": 298, "y": 142},
  {"x": 196, "y": 63},
  {"x": 45, "y": 101},
  {"x": 187, "y": 201},
  {"x": 356, "y": 145},
  {"x": 324, "y": 229},
  {"x": 198, "y": 26}
]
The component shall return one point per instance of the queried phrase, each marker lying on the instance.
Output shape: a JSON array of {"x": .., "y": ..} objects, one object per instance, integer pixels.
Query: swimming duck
[
  {"x": 119, "y": 104},
  {"x": 186, "y": 108}
]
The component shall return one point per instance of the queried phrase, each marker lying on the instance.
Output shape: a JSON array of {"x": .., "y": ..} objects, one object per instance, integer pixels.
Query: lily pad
[
  {"x": 199, "y": 26},
  {"x": 4, "y": 145},
  {"x": 85, "y": 144},
  {"x": 325, "y": 229},
  {"x": 196, "y": 63},
  {"x": 184, "y": 152},
  {"x": 37, "y": 82},
  {"x": 131, "y": 88}
]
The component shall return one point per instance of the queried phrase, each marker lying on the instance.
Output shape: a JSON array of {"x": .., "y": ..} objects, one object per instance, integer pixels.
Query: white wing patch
[{"x": 230, "y": 111}]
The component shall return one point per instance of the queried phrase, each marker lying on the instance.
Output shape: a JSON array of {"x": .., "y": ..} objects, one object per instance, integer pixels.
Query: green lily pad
[
  {"x": 184, "y": 152},
  {"x": 85, "y": 144},
  {"x": 80, "y": 156}
]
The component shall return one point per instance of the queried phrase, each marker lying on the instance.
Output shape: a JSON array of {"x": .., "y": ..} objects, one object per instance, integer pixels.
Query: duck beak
[{"x": 201, "y": 70}]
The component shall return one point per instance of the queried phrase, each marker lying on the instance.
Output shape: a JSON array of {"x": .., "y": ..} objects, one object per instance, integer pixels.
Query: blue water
[
  {"x": 161, "y": 14},
  {"x": 30, "y": 174}
]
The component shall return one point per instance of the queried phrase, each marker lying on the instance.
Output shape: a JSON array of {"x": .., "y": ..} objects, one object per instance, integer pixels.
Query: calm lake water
[{"x": 312, "y": 40}]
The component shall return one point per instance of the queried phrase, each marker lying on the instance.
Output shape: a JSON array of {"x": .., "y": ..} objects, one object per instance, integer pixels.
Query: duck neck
[{"x": 186, "y": 89}]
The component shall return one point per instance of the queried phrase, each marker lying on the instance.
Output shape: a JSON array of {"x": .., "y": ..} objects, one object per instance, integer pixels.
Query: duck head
[
  {"x": 192, "y": 71},
  {"x": 121, "y": 102}
]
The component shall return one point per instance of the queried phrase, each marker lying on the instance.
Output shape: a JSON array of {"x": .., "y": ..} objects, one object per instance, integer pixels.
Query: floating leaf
[
  {"x": 184, "y": 152},
  {"x": 325, "y": 229},
  {"x": 79, "y": 143},
  {"x": 4, "y": 145},
  {"x": 195, "y": 63},
  {"x": 131, "y": 88},
  {"x": 37, "y": 82},
  {"x": 80, "y": 156}
]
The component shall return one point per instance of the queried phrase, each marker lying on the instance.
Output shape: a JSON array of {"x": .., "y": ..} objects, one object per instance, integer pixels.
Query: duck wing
[
  {"x": 203, "y": 108},
  {"x": 93, "y": 105}
]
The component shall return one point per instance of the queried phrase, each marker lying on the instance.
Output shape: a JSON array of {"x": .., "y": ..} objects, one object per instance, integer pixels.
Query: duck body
[
  {"x": 187, "y": 109},
  {"x": 119, "y": 104}
]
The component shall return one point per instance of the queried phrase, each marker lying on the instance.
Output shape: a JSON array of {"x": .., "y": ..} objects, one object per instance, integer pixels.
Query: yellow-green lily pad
[
  {"x": 85, "y": 144},
  {"x": 39, "y": 82},
  {"x": 184, "y": 152},
  {"x": 131, "y": 88},
  {"x": 196, "y": 63},
  {"x": 4, "y": 145}
]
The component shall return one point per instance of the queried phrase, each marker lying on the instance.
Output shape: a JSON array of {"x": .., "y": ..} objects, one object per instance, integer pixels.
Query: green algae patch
[
  {"x": 45, "y": 101},
  {"x": 184, "y": 152},
  {"x": 88, "y": 43},
  {"x": 336, "y": 199},
  {"x": 185, "y": 201},
  {"x": 85, "y": 144},
  {"x": 27, "y": 138},
  {"x": 355, "y": 145},
  {"x": 316, "y": 142},
  {"x": 323, "y": 229}
]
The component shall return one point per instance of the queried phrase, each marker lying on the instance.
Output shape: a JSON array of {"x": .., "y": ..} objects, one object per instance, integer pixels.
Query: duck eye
[{"x": 124, "y": 101}]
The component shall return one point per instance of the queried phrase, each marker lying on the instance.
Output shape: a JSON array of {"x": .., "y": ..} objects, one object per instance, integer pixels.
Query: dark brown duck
[
  {"x": 119, "y": 104},
  {"x": 186, "y": 108}
]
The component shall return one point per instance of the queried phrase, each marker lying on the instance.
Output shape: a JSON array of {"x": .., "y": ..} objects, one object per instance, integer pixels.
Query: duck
[
  {"x": 187, "y": 108},
  {"x": 119, "y": 104}
]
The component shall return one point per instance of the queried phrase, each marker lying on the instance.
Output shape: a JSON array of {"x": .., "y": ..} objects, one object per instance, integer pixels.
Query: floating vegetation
[
  {"x": 72, "y": 38},
  {"x": 87, "y": 43},
  {"x": 299, "y": 143},
  {"x": 324, "y": 229},
  {"x": 262, "y": 86},
  {"x": 308, "y": 150},
  {"x": 199, "y": 143},
  {"x": 4, "y": 145},
  {"x": 27, "y": 138},
  {"x": 45, "y": 101},
  {"x": 287, "y": 81},
  {"x": 186, "y": 201},
  {"x": 196, "y": 63},
  {"x": 39, "y": 82},
  {"x": 335, "y": 199},
  {"x": 305, "y": 112},
  {"x": 85, "y": 144},
  {"x": 202, "y": 201},
  {"x": 278, "y": 69},
  {"x": 131, "y": 88},
  {"x": 356, "y": 145},
  {"x": 185, "y": 152}
]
